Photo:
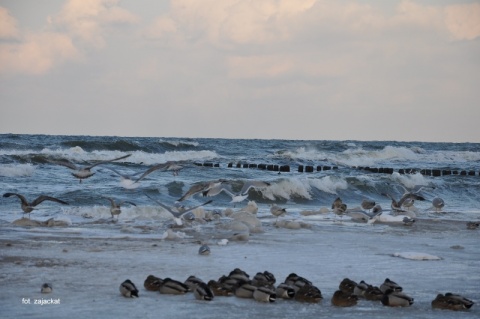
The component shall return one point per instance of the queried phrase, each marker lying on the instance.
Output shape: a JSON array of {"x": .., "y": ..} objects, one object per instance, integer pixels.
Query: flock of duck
[{"x": 262, "y": 288}]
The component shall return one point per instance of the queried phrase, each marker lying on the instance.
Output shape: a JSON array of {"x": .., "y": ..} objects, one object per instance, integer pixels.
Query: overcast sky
[{"x": 284, "y": 69}]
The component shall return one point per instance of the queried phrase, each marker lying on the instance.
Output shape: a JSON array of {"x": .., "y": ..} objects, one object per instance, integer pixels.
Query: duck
[
  {"x": 192, "y": 282},
  {"x": 360, "y": 289},
  {"x": 203, "y": 292},
  {"x": 204, "y": 250},
  {"x": 344, "y": 299},
  {"x": 245, "y": 290},
  {"x": 46, "y": 288},
  {"x": 389, "y": 284},
  {"x": 297, "y": 281},
  {"x": 473, "y": 225},
  {"x": 373, "y": 293},
  {"x": 285, "y": 291},
  {"x": 152, "y": 283},
  {"x": 451, "y": 301},
  {"x": 308, "y": 293},
  {"x": 394, "y": 298},
  {"x": 264, "y": 279},
  {"x": 128, "y": 289},
  {"x": 264, "y": 294},
  {"x": 239, "y": 274},
  {"x": 174, "y": 287},
  {"x": 347, "y": 286},
  {"x": 218, "y": 289},
  {"x": 28, "y": 207}
]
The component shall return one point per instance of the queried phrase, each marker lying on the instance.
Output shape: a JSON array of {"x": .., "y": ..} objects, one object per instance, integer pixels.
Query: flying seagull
[
  {"x": 180, "y": 210},
  {"x": 85, "y": 172},
  {"x": 29, "y": 207}
]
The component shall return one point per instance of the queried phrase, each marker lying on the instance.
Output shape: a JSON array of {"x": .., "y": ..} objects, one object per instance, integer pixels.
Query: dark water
[{"x": 303, "y": 174}]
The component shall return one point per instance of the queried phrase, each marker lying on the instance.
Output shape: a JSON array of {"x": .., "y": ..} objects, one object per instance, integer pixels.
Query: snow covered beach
[{"x": 86, "y": 266}]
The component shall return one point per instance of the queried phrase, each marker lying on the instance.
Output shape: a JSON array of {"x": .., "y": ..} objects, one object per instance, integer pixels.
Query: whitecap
[{"x": 16, "y": 170}]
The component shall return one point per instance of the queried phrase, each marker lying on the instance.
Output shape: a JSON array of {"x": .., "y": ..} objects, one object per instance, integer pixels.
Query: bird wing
[
  {"x": 107, "y": 161},
  {"x": 128, "y": 202},
  {"x": 177, "y": 214},
  {"x": 252, "y": 184},
  {"x": 22, "y": 198},
  {"x": 42, "y": 198},
  {"x": 162, "y": 166},
  {"x": 193, "y": 190}
]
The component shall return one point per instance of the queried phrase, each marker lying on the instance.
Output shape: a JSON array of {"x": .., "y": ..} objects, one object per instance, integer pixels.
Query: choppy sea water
[{"x": 304, "y": 176}]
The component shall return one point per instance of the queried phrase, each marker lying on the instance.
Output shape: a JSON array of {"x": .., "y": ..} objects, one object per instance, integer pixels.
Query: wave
[
  {"x": 106, "y": 144},
  {"x": 178, "y": 143},
  {"x": 78, "y": 154},
  {"x": 16, "y": 170},
  {"x": 387, "y": 156}
]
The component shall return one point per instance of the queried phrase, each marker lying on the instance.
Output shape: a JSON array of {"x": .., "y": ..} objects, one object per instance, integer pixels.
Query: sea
[{"x": 303, "y": 176}]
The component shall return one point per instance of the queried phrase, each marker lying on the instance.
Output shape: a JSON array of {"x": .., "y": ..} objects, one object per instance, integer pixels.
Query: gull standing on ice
[
  {"x": 85, "y": 172},
  {"x": 438, "y": 204},
  {"x": 28, "y": 207},
  {"x": 277, "y": 211},
  {"x": 368, "y": 204}
]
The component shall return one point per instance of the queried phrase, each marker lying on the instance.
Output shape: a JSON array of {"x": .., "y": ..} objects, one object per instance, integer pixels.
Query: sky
[{"x": 268, "y": 69}]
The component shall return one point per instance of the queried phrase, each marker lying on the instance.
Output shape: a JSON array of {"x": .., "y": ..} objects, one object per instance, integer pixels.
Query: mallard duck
[
  {"x": 347, "y": 286},
  {"x": 152, "y": 283},
  {"x": 373, "y": 293},
  {"x": 344, "y": 299},
  {"x": 285, "y": 291},
  {"x": 297, "y": 281},
  {"x": 360, "y": 289},
  {"x": 204, "y": 250},
  {"x": 396, "y": 299},
  {"x": 239, "y": 274},
  {"x": 264, "y": 279},
  {"x": 451, "y": 302},
  {"x": 128, "y": 289},
  {"x": 264, "y": 294},
  {"x": 28, "y": 207},
  {"x": 245, "y": 290},
  {"x": 218, "y": 289},
  {"x": 389, "y": 284},
  {"x": 203, "y": 292},
  {"x": 192, "y": 282},
  {"x": 46, "y": 288},
  {"x": 308, "y": 293},
  {"x": 174, "y": 287}
]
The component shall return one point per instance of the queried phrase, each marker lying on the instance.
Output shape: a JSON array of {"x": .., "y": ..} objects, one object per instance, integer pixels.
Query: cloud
[
  {"x": 86, "y": 20},
  {"x": 8, "y": 25},
  {"x": 79, "y": 26},
  {"x": 37, "y": 53},
  {"x": 463, "y": 21}
]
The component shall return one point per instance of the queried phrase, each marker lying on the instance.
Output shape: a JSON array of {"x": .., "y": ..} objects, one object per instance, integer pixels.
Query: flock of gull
[
  {"x": 402, "y": 210},
  {"x": 262, "y": 288}
]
